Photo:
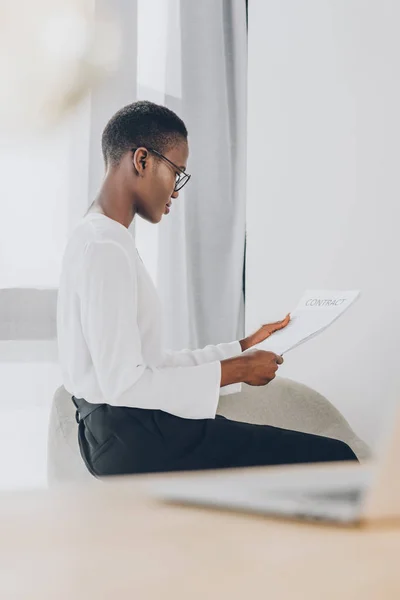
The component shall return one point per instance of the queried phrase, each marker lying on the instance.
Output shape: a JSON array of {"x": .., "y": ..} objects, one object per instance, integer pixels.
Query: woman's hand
[
  {"x": 263, "y": 333},
  {"x": 257, "y": 367}
]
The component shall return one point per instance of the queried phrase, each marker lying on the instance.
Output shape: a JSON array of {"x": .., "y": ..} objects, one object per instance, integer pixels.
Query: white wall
[{"x": 324, "y": 189}]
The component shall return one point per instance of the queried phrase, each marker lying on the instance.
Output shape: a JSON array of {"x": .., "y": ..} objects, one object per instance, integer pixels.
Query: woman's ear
[{"x": 140, "y": 159}]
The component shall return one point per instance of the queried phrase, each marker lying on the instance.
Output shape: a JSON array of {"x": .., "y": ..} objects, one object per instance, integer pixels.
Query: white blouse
[{"x": 110, "y": 331}]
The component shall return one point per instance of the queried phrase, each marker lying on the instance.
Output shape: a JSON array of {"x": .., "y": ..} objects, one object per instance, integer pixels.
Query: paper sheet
[{"x": 316, "y": 310}]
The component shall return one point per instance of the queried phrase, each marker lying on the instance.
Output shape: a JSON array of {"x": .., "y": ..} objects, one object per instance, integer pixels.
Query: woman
[{"x": 140, "y": 408}]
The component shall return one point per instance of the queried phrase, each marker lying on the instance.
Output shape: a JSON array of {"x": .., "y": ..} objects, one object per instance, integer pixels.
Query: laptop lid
[{"x": 382, "y": 500}]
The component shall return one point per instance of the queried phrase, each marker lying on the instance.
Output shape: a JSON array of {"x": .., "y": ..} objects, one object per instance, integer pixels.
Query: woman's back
[{"x": 98, "y": 235}]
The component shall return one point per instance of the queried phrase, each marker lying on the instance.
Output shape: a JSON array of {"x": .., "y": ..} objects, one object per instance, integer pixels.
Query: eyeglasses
[{"x": 181, "y": 177}]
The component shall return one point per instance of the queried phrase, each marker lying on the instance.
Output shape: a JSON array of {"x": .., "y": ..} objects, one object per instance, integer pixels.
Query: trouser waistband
[{"x": 83, "y": 408}]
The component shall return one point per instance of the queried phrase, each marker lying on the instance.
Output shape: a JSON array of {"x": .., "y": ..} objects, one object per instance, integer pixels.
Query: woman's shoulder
[
  {"x": 95, "y": 239},
  {"x": 96, "y": 228}
]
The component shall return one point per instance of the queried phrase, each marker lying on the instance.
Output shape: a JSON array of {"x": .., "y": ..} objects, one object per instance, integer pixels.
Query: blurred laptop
[{"x": 346, "y": 493}]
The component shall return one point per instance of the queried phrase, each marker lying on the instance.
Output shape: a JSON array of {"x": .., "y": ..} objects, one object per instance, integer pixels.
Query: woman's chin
[{"x": 151, "y": 218}]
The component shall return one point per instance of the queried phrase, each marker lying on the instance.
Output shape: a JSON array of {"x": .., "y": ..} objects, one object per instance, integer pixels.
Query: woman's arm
[{"x": 185, "y": 358}]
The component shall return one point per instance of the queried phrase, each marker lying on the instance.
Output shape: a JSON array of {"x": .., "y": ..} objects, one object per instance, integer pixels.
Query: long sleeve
[
  {"x": 186, "y": 358},
  {"x": 210, "y": 353},
  {"x": 108, "y": 298}
]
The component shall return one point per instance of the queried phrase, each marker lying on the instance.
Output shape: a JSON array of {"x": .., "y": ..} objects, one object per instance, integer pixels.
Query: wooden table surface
[{"x": 110, "y": 541}]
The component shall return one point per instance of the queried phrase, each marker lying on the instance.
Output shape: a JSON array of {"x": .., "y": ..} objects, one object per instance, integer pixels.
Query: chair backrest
[{"x": 64, "y": 462}]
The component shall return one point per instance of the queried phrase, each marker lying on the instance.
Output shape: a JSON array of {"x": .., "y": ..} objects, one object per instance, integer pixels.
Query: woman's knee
[{"x": 339, "y": 450}]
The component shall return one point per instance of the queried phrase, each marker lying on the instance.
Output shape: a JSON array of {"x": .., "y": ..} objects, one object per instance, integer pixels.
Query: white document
[{"x": 315, "y": 312}]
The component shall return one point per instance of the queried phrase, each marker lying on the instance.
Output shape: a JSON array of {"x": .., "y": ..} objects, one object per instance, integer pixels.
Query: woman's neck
[{"x": 113, "y": 202}]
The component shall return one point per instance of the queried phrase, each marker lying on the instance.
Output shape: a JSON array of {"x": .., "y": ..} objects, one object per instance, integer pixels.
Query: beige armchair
[{"x": 282, "y": 403}]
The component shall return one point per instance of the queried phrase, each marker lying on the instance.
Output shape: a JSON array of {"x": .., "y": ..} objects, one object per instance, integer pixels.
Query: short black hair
[{"x": 138, "y": 124}]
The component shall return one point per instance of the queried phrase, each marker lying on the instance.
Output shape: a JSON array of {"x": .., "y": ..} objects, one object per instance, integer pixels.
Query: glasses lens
[{"x": 183, "y": 179}]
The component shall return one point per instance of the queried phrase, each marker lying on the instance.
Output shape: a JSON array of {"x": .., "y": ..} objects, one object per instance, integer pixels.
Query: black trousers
[{"x": 119, "y": 440}]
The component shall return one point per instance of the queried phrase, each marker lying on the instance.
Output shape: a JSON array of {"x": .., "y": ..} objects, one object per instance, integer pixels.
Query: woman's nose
[{"x": 175, "y": 194}]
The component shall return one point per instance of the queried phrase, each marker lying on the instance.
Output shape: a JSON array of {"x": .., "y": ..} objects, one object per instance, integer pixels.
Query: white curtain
[
  {"x": 190, "y": 56},
  {"x": 193, "y": 59},
  {"x": 46, "y": 186}
]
